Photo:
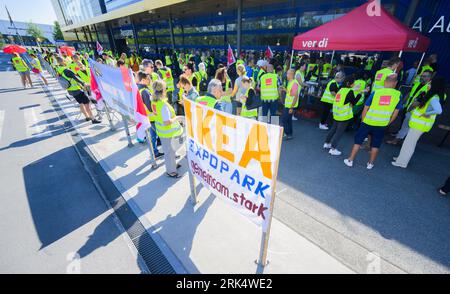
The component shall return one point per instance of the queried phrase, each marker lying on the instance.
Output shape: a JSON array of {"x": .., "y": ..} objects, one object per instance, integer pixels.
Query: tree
[
  {"x": 36, "y": 32},
  {"x": 57, "y": 33}
]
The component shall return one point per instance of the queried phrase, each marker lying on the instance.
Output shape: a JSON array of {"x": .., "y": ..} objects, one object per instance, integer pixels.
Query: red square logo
[
  {"x": 168, "y": 75},
  {"x": 385, "y": 100},
  {"x": 269, "y": 82},
  {"x": 379, "y": 77},
  {"x": 338, "y": 97}
]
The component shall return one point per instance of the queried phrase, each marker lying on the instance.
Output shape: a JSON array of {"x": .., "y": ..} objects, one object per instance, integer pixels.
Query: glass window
[{"x": 269, "y": 22}]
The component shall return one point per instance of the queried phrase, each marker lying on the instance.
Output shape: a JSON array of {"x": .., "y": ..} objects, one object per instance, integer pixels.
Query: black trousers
[
  {"x": 326, "y": 110},
  {"x": 336, "y": 132}
]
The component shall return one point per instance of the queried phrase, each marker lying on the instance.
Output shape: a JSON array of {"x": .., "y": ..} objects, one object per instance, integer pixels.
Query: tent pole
[
  {"x": 418, "y": 67},
  {"x": 400, "y": 54},
  {"x": 332, "y": 57},
  {"x": 292, "y": 58}
]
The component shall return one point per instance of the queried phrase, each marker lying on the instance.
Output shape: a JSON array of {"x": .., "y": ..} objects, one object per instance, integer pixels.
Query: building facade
[
  {"x": 9, "y": 34},
  {"x": 246, "y": 24}
]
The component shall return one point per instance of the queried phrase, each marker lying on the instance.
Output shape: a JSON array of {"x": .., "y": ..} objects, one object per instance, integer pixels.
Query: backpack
[{"x": 203, "y": 86}]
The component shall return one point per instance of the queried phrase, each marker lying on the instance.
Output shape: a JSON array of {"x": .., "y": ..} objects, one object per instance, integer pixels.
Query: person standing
[
  {"x": 22, "y": 68},
  {"x": 149, "y": 69},
  {"x": 239, "y": 90},
  {"x": 144, "y": 86},
  {"x": 37, "y": 68},
  {"x": 247, "y": 99},
  {"x": 380, "y": 110},
  {"x": 290, "y": 103},
  {"x": 213, "y": 96},
  {"x": 342, "y": 115},
  {"x": 75, "y": 89},
  {"x": 189, "y": 90},
  {"x": 417, "y": 91},
  {"x": 269, "y": 92},
  {"x": 327, "y": 99},
  {"x": 78, "y": 67},
  {"x": 225, "y": 101},
  {"x": 382, "y": 74},
  {"x": 423, "y": 116},
  {"x": 167, "y": 125},
  {"x": 165, "y": 74}
]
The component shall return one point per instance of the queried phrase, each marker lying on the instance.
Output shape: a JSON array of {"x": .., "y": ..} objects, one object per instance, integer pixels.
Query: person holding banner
[
  {"x": 167, "y": 125},
  {"x": 212, "y": 98},
  {"x": 189, "y": 90},
  {"x": 81, "y": 71},
  {"x": 75, "y": 89},
  {"x": 247, "y": 98},
  {"x": 144, "y": 86}
]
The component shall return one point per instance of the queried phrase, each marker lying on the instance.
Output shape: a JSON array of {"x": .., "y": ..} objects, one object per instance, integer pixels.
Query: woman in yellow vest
[
  {"x": 247, "y": 98},
  {"x": 23, "y": 70},
  {"x": 422, "y": 120},
  {"x": 83, "y": 72},
  {"x": 290, "y": 103},
  {"x": 167, "y": 125},
  {"x": 37, "y": 68},
  {"x": 225, "y": 100},
  {"x": 239, "y": 90},
  {"x": 328, "y": 98},
  {"x": 342, "y": 115}
]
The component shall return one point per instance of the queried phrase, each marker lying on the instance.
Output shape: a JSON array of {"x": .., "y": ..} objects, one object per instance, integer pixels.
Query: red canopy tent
[{"x": 359, "y": 31}]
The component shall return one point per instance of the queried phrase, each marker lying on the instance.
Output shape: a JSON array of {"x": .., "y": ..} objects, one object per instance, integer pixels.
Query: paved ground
[{"x": 53, "y": 218}]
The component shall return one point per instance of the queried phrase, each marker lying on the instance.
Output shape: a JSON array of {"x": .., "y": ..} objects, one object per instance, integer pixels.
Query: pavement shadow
[
  {"x": 60, "y": 195},
  {"x": 399, "y": 204}
]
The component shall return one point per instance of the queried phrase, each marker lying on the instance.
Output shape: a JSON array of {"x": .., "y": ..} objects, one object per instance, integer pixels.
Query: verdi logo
[{"x": 374, "y": 8}]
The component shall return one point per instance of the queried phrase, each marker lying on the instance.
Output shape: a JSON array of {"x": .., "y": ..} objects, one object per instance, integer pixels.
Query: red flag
[
  {"x": 96, "y": 91},
  {"x": 230, "y": 56},
  {"x": 269, "y": 53},
  {"x": 99, "y": 48}
]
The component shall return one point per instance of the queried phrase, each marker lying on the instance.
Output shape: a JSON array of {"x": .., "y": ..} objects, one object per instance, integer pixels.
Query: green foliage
[
  {"x": 57, "y": 33},
  {"x": 35, "y": 31}
]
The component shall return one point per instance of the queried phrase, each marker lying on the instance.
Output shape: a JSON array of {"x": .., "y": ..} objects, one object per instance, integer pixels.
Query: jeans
[
  {"x": 154, "y": 138},
  {"x": 269, "y": 106},
  {"x": 286, "y": 119},
  {"x": 336, "y": 132},
  {"x": 405, "y": 127}
]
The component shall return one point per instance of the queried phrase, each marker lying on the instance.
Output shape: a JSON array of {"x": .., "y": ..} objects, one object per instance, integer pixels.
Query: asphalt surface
[{"x": 53, "y": 218}]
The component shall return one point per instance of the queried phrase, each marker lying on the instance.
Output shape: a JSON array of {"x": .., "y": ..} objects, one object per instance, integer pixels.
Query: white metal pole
[
  {"x": 400, "y": 54},
  {"x": 418, "y": 67},
  {"x": 292, "y": 59},
  {"x": 150, "y": 148},
  {"x": 332, "y": 57}
]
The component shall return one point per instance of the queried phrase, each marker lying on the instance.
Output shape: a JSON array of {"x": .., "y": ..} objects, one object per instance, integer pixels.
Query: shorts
[
  {"x": 365, "y": 130},
  {"x": 81, "y": 98},
  {"x": 24, "y": 73}
]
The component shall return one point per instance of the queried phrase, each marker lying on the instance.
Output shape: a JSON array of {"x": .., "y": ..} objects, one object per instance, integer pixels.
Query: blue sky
[{"x": 37, "y": 11}]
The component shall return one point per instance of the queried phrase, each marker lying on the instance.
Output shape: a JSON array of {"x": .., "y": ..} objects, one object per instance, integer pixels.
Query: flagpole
[{"x": 11, "y": 22}]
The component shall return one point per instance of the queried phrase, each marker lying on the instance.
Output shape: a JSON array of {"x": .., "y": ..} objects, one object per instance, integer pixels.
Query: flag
[
  {"x": 230, "y": 56},
  {"x": 140, "y": 114},
  {"x": 269, "y": 53},
  {"x": 96, "y": 91},
  {"x": 99, "y": 48},
  {"x": 9, "y": 16}
]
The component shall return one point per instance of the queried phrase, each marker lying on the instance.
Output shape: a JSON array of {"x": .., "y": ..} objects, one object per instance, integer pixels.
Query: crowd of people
[{"x": 351, "y": 93}]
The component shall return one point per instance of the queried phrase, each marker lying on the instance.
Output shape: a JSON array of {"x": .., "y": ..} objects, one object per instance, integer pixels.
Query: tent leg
[
  {"x": 332, "y": 57},
  {"x": 400, "y": 54},
  {"x": 418, "y": 67},
  {"x": 292, "y": 59}
]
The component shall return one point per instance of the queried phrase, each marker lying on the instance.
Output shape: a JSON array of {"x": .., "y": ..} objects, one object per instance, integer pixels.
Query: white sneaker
[
  {"x": 394, "y": 163},
  {"x": 294, "y": 118},
  {"x": 370, "y": 165},
  {"x": 348, "y": 163},
  {"x": 395, "y": 158},
  {"x": 335, "y": 152},
  {"x": 323, "y": 127},
  {"x": 327, "y": 146}
]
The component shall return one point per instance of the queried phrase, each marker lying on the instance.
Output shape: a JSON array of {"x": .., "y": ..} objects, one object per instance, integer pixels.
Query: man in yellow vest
[
  {"x": 247, "y": 99},
  {"x": 75, "y": 89},
  {"x": 22, "y": 68},
  {"x": 342, "y": 114},
  {"x": 165, "y": 73},
  {"x": 212, "y": 98},
  {"x": 419, "y": 90},
  {"x": 144, "y": 86},
  {"x": 290, "y": 103},
  {"x": 149, "y": 67},
  {"x": 327, "y": 99},
  {"x": 381, "y": 75},
  {"x": 380, "y": 110},
  {"x": 269, "y": 90}
]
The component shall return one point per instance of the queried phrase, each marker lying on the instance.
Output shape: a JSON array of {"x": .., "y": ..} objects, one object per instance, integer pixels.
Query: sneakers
[
  {"x": 95, "y": 122},
  {"x": 294, "y": 118},
  {"x": 323, "y": 127},
  {"x": 370, "y": 165},
  {"x": 159, "y": 155},
  {"x": 287, "y": 138},
  {"x": 327, "y": 146},
  {"x": 348, "y": 162},
  {"x": 335, "y": 152},
  {"x": 394, "y": 158},
  {"x": 394, "y": 163}
]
